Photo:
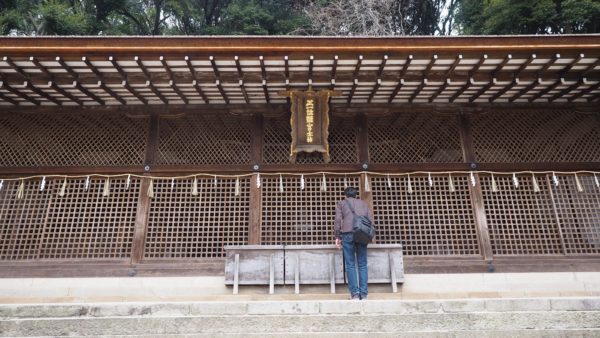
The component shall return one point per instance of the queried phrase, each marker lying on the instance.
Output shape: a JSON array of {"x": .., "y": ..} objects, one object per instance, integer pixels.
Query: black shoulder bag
[{"x": 362, "y": 227}]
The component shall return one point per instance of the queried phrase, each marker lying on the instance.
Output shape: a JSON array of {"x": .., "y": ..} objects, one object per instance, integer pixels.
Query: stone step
[{"x": 535, "y": 317}]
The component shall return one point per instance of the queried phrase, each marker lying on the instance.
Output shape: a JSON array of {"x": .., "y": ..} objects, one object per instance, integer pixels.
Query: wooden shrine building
[{"x": 152, "y": 153}]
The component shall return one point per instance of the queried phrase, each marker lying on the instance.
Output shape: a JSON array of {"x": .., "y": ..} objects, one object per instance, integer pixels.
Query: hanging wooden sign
[{"x": 310, "y": 121}]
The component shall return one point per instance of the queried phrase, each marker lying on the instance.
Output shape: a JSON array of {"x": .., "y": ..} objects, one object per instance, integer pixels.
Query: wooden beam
[
  {"x": 334, "y": 67},
  {"x": 178, "y": 91},
  {"x": 311, "y": 62},
  {"x": 243, "y": 90},
  {"x": 584, "y": 91},
  {"x": 222, "y": 91},
  {"x": 527, "y": 89},
  {"x": 591, "y": 67},
  {"x": 286, "y": 67},
  {"x": 500, "y": 66},
  {"x": 139, "y": 63},
  {"x": 110, "y": 92},
  {"x": 6, "y": 98},
  {"x": 263, "y": 70},
  {"x": 418, "y": 90},
  {"x": 382, "y": 66},
  {"x": 440, "y": 90},
  {"x": 524, "y": 65},
  {"x": 40, "y": 92},
  {"x": 374, "y": 90},
  {"x": 352, "y": 90},
  {"x": 200, "y": 91},
  {"x": 16, "y": 68},
  {"x": 462, "y": 89},
  {"x": 407, "y": 63},
  {"x": 501, "y": 92},
  {"x": 475, "y": 68},
  {"x": 567, "y": 90},
  {"x": 266, "y": 91},
  {"x": 19, "y": 93},
  {"x": 429, "y": 66},
  {"x": 546, "y": 90},
  {"x": 396, "y": 90},
  {"x": 481, "y": 224},
  {"x": 453, "y": 66},
  {"x": 64, "y": 93},
  {"x": 357, "y": 68},
  {"x": 238, "y": 66},
  {"x": 134, "y": 92},
  {"x": 156, "y": 92},
  {"x": 483, "y": 90}
]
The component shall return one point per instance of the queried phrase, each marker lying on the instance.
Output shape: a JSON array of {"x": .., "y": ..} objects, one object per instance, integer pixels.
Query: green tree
[{"x": 528, "y": 17}]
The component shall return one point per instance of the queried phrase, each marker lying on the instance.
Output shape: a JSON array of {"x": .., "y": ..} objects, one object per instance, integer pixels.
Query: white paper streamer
[
  {"x": 324, "y": 184},
  {"x": 150, "y": 191},
  {"x": 494, "y": 185},
  {"x": 596, "y": 180},
  {"x": 1, "y": 184},
  {"x": 515, "y": 181},
  {"x": 579, "y": 186},
  {"x": 21, "y": 190},
  {"x": 43, "y": 184},
  {"x": 106, "y": 191},
  {"x": 555, "y": 179},
  {"x": 61, "y": 192},
  {"x": 215, "y": 182},
  {"x": 345, "y": 182},
  {"x": 536, "y": 186},
  {"x": 472, "y": 176},
  {"x": 87, "y": 183},
  {"x": 258, "y": 181},
  {"x": 172, "y": 184},
  {"x": 280, "y": 183},
  {"x": 237, "y": 186},
  {"x": 430, "y": 180},
  {"x": 301, "y": 182},
  {"x": 389, "y": 181},
  {"x": 367, "y": 185},
  {"x": 409, "y": 185},
  {"x": 450, "y": 183},
  {"x": 195, "y": 187},
  {"x": 128, "y": 182}
]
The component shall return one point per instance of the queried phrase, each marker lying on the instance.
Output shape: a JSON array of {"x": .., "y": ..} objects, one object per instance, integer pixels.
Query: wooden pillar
[
  {"x": 141, "y": 218},
  {"x": 362, "y": 138},
  {"x": 257, "y": 139},
  {"x": 254, "y": 232},
  {"x": 141, "y": 223},
  {"x": 476, "y": 193}
]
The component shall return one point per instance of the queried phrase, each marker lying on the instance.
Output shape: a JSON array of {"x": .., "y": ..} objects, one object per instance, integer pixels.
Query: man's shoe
[
  {"x": 355, "y": 297},
  {"x": 363, "y": 297}
]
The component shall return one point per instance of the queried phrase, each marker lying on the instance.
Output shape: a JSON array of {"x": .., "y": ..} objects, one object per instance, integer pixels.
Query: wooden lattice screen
[
  {"x": 204, "y": 139},
  {"x": 414, "y": 138},
  {"x": 83, "y": 224},
  {"x": 297, "y": 216},
  {"x": 430, "y": 220},
  {"x": 578, "y": 213},
  {"x": 514, "y": 137},
  {"x": 277, "y": 140},
  {"x": 61, "y": 140},
  {"x": 184, "y": 226}
]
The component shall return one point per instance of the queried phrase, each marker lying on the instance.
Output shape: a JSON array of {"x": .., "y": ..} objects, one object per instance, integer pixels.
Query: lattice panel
[
  {"x": 578, "y": 213},
  {"x": 303, "y": 217},
  {"x": 80, "y": 225},
  {"x": 205, "y": 139},
  {"x": 536, "y": 137},
  {"x": 60, "y": 140},
  {"x": 414, "y": 138},
  {"x": 430, "y": 220},
  {"x": 277, "y": 141},
  {"x": 520, "y": 221},
  {"x": 183, "y": 226}
]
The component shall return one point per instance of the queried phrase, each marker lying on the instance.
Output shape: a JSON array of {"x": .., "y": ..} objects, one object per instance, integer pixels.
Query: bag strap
[{"x": 350, "y": 206}]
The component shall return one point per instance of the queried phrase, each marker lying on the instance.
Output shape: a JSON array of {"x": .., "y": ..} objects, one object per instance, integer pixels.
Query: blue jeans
[{"x": 355, "y": 252}]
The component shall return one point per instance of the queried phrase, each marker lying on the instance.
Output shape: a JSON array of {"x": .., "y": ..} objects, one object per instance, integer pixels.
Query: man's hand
[{"x": 338, "y": 243}]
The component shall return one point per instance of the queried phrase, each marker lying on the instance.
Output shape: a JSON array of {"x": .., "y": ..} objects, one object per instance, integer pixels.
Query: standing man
[{"x": 344, "y": 238}]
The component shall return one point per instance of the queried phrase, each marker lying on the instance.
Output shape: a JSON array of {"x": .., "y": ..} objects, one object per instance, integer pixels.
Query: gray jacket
[{"x": 344, "y": 216}]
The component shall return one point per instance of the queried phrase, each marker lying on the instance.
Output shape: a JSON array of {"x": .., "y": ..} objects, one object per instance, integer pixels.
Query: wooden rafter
[
  {"x": 263, "y": 69},
  {"x": 334, "y": 67},
  {"x": 374, "y": 90},
  {"x": 483, "y": 90},
  {"x": 584, "y": 92},
  {"x": 506, "y": 88},
  {"x": 6, "y": 98},
  {"x": 19, "y": 93},
  {"x": 199, "y": 90},
  {"x": 238, "y": 66},
  {"x": 527, "y": 89},
  {"x": 103, "y": 86},
  {"x": 243, "y": 90},
  {"x": 89, "y": 94},
  {"x": 266, "y": 91},
  {"x": 357, "y": 67},
  {"x": 311, "y": 61},
  {"x": 396, "y": 90},
  {"x": 429, "y": 66},
  {"x": 567, "y": 90},
  {"x": 384, "y": 60},
  {"x": 440, "y": 90},
  {"x": 41, "y": 93},
  {"x": 407, "y": 63},
  {"x": 453, "y": 66},
  {"x": 418, "y": 90},
  {"x": 462, "y": 89},
  {"x": 64, "y": 93},
  {"x": 546, "y": 90},
  {"x": 222, "y": 91},
  {"x": 352, "y": 90}
]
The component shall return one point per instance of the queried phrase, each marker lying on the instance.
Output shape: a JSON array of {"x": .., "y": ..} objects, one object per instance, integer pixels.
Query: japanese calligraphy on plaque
[{"x": 310, "y": 122}]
